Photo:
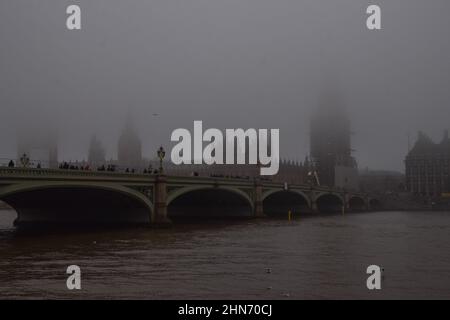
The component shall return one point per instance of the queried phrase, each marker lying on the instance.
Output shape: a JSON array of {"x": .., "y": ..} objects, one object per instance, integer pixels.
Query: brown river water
[{"x": 320, "y": 257}]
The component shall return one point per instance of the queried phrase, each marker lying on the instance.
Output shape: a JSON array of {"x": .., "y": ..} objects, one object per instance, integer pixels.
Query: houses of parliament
[
  {"x": 428, "y": 167},
  {"x": 330, "y": 162}
]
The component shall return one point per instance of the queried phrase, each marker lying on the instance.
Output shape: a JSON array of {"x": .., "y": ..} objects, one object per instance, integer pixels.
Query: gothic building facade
[{"x": 427, "y": 167}]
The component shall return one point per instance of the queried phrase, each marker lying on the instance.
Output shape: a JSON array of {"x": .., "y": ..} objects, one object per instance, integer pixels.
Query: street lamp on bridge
[{"x": 161, "y": 154}]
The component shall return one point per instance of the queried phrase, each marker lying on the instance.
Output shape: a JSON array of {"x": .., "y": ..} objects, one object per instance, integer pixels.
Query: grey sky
[{"x": 230, "y": 63}]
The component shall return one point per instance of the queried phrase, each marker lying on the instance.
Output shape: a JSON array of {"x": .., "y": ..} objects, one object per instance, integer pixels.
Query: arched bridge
[{"x": 69, "y": 196}]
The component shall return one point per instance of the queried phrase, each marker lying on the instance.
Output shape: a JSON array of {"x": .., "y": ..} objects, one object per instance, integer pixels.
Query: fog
[{"x": 229, "y": 63}]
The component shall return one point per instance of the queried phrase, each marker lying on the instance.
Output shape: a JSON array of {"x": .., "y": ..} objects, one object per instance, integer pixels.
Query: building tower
[
  {"x": 428, "y": 167},
  {"x": 330, "y": 144},
  {"x": 40, "y": 145},
  {"x": 96, "y": 155},
  {"x": 130, "y": 147}
]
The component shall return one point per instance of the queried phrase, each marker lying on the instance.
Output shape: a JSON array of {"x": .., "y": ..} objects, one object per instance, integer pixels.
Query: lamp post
[
  {"x": 24, "y": 160},
  {"x": 161, "y": 154}
]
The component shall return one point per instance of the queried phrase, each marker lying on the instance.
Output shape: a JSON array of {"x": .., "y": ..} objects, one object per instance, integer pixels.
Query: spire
[{"x": 306, "y": 162}]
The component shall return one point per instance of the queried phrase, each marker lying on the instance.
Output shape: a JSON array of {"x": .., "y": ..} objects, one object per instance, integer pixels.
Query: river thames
[{"x": 320, "y": 257}]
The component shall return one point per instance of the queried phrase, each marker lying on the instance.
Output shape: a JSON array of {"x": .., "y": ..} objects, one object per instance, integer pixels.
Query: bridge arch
[
  {"x": 356, "y": 203},
  {"x": 280, "y": 202},
  {"x": 76, "y": 202},
  {"x": 209, "y": 201},
  {"x": 329, "y": 202}
]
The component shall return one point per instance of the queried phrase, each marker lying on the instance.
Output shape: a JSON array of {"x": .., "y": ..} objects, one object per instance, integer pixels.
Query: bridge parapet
[{"x": 63, "y": 173}]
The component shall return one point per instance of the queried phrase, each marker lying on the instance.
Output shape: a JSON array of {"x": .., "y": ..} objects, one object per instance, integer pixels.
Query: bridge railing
[
  {"x": 45, "y": 172},
  {"x": 34, "y": 172},
  {"x": 5, "y": 171}
]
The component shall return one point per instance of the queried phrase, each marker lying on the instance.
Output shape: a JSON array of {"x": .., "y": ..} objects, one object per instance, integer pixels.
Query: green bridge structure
[{"x": 72, "y": 196}]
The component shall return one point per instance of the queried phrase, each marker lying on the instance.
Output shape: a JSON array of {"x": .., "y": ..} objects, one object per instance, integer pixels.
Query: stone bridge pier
[
  {"x": 258, "y": 200},
  {"x": 160, "y": 215}
]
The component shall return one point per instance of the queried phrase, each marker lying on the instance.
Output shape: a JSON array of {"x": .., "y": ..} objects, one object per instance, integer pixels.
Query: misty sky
[{"x": 230, "y": 63}]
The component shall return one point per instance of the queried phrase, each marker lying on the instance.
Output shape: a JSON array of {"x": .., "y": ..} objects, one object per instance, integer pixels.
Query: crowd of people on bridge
[
  {"x": 114, "y": 168},
  {"x": 105, "y": 168},
  {"x": 86, "y": 167}
]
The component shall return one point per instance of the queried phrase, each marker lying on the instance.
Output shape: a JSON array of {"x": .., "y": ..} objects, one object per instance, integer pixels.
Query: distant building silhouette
[
  {"x": 130, "y": 147},
  {"x": 96, "y": 155},
  {"x": 427, "y": 167},
  {"x": 381, "y": 181},
  {"x": 40, "y": 145},
  {"x": 330, "y": 144}
]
